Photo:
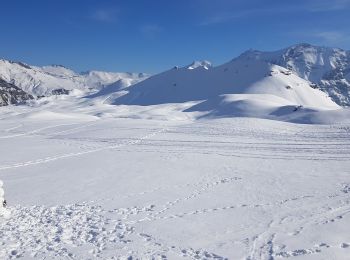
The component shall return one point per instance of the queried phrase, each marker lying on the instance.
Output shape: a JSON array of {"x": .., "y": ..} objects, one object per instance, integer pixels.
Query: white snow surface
[{"x": 88, "y": 180}]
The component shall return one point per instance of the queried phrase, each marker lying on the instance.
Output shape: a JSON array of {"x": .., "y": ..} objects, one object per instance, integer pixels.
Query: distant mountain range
[
  {"x": 56, "y": 79},
  {"x": 300, "y": 75}
]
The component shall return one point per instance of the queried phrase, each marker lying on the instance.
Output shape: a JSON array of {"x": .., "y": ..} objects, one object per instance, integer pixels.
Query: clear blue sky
[{"x": 154, "y": 35}]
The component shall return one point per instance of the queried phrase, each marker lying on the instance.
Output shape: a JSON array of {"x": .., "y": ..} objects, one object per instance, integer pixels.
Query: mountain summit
[{"x": 327, "y": 68}]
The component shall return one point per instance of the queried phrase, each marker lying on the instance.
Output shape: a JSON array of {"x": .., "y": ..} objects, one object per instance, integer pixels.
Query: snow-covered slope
[
  {"x": 235, "y": 77},
  {"x": 249, "y": 86},
  {"x": 328, "y": 68},
  {"x": 100, "y": 79},
  {"x": 40, "y": 81}
]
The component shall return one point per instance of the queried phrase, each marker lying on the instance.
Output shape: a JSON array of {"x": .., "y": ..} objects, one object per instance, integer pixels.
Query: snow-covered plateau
[{"x": 247, "y": 160}]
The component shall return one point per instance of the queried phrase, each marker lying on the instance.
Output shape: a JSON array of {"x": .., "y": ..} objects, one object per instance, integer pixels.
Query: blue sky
[{"x": 154, "y": 35}]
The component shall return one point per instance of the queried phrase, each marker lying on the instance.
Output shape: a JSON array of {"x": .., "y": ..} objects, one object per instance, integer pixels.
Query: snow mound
[{"x": 268, "y": 107}]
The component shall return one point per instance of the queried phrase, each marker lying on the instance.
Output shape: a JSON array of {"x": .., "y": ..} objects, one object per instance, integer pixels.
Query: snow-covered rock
[
  {"x": 10, "y": 94},
  {"x": 200, "y": 64},
  {"x": 327, "y": 68}
]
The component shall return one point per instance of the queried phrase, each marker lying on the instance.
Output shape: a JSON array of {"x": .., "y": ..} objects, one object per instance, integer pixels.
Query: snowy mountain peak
[
  {"x": 304, "y": 53},
  {"x": 14, "y": 63},
  {"x": 199, "y": 64},
  {"x": 311, "y": 55},
  {"x": 58, "y": 66},
  {"x": 329, "y": 68}
]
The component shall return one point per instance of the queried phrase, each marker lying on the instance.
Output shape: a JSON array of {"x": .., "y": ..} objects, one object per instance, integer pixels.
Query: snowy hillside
[
  {"x": 42, "y": 81},
  {"x": 240, "y": 87},
  {"x": 328, "y": 68}
]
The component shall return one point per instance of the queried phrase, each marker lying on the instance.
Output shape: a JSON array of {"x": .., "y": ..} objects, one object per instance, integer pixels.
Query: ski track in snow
[
  {"x": 13, "y": 128},
  {"x": 32, "y": 132},
  {"x": 37, "y": 131},
  {"x": 54, "y": 158},
  {"x": 88, "y": 230}
]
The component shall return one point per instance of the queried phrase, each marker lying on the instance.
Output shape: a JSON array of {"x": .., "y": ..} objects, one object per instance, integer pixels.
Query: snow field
[{"x": 239, "y": 188}]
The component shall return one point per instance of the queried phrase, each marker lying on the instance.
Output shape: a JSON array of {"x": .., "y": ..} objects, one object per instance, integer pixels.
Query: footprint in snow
[{"x": 346, "y": 188}]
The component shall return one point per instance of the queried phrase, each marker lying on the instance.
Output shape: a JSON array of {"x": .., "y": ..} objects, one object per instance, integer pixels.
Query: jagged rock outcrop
[{"x": 11, "y": 94}]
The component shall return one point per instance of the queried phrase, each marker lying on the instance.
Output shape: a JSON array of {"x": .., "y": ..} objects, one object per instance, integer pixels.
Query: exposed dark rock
[
  {"x": 60, "y": 91},
  {"x": 314, "y": 85},
  {"x": 11, "y": 94},
  {"x": 20, "y": 64}
]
